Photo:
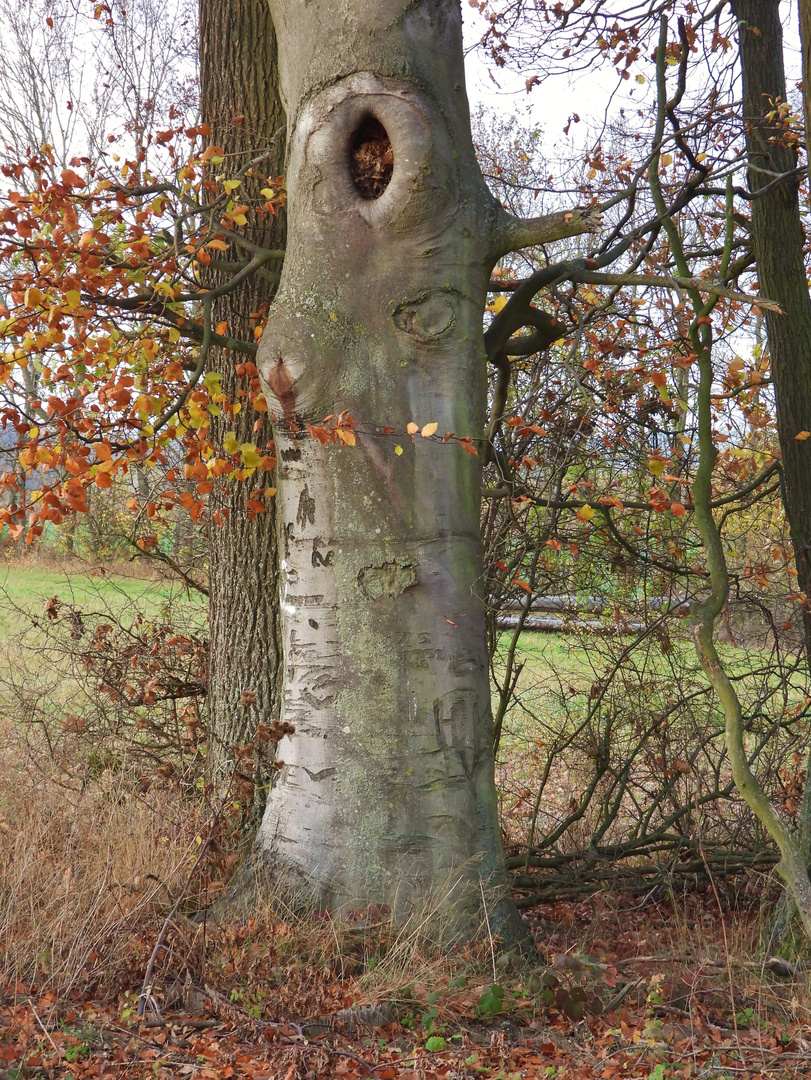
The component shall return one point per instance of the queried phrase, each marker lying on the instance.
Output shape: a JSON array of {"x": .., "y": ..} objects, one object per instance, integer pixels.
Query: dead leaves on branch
[{"x": 101, "y": 324}]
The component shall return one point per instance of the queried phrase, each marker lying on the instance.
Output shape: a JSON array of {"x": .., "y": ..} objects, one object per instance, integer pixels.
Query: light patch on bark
[{"x": 391, "y": 579}]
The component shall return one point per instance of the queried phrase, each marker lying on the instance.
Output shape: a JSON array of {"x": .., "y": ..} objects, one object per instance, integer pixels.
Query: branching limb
[
  {"x": 146, "y": 305},
  {"x": 518, "y": 312},
  {"x": 500, "y": 395},
  {"x": 514, "y": 233},
  {"x": 194, "y": 378},
  {"x": 700, "y": 285}
]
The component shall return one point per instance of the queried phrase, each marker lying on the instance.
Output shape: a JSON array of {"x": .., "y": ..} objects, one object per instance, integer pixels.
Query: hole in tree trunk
[{"x": 371, "y": 161}]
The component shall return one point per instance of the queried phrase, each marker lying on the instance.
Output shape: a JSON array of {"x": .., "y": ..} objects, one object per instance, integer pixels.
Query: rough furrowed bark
[
  {"x": 239, "y": 99},
  {"x": 778, "y": 241},
  {"x": 387, "y": 790}
]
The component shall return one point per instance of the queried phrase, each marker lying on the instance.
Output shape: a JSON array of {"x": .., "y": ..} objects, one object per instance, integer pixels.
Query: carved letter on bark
[{"x": 387, "y": 787}]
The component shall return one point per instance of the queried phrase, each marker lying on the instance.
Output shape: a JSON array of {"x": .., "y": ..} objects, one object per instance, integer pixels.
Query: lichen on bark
[{"x": 388, "y": 789}]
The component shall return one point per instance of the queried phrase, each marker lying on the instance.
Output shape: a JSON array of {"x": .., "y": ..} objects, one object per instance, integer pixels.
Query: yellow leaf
[
  {"x": 267, "y": 192},
  {"x": 251, "y": 459},
  {"x": 239, "y": 219},
  {"x": 585, "y": 513},
  {"x": 665, "y": 160},
  {"x": 73, "y": 298},
  {"x": 270, "y": 492},
  {"x": 33, "y": 296},
  {"x": 398, "y": 450},
  {"x": 346, "y": 437},
  {"x": 412, "y": 428},
  {"x": 229, "y": 443},
  {"x": 656, "y": 466},
  {"x": 701, "y": 157},
  {"x": 174, "y": 335},
  {"x": 801, "y": 436},
  {"x": 230, "y": 185},
  {"x": 428, "y": 430}
]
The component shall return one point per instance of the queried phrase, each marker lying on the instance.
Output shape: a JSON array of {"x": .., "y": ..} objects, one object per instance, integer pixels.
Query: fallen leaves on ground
[{"x": 275, "y": 1006}]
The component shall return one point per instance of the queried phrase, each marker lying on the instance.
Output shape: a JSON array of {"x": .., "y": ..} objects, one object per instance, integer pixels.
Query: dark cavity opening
[{"x": 371, "y": 161}]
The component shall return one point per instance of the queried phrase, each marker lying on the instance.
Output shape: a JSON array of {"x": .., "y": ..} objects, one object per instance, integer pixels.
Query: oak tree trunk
[
  {"x": 387, "y": 789},
  {"x": 778, "y": 240},
  {"x": 239, "y": 99}
]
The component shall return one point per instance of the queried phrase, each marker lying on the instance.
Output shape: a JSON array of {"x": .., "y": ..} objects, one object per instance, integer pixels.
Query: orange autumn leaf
[{"x": 71, "y": 179}]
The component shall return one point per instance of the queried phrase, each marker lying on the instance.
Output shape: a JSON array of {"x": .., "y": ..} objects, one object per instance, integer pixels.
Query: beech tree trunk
[
  {"x": 387, "y": 788},
  {"x": 239, "y": 99}
]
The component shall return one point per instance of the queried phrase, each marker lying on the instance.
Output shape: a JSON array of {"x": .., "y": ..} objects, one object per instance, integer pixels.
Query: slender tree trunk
[
  {"x": 388, "y": 787},
  {"x": 239, "y": 99},
  {"x": 778, "y": 240},
  {"x": 804, "y": 18}
]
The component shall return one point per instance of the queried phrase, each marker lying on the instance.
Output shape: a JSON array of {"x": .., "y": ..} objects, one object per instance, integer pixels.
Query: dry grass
[
  {"x": 87, "y": 871},
  {"x": 92, "y": 860}
]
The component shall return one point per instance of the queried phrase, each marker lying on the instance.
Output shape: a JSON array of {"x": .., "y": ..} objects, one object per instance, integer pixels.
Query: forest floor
[
  {"x": 670, "y": 983},
  {"x": 680, "y": 998}
]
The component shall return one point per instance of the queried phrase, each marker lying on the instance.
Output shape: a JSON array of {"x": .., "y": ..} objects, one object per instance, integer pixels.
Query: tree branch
[
  {"x": 714, "y": 288},
  {"x": 514, "y": 233}
]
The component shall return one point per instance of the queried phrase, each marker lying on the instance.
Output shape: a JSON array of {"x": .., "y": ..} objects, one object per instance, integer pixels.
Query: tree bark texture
[
  {"x": 387, "y": 789},
  {"x": 778, "y": 239},
  {"x": 239, "y": 99}
]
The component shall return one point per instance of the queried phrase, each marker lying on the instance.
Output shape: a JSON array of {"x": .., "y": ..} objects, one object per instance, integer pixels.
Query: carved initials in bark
[
  {"x": 388, "y": 785},
  {"x": 306, "y": 509},
  {"x": 317, "y": 558}
]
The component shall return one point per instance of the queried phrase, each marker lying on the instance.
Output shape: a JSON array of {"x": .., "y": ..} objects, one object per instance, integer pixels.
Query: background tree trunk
[
  {"x": 239, "y": 99},
  {"x": 388, "y": 787},
  {"x": 778, "y": 240}
]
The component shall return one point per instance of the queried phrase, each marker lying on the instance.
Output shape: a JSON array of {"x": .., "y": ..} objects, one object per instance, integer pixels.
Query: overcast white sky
[
  {"x": 590, "y": 95},
  {"x": 547, "y": 106}
]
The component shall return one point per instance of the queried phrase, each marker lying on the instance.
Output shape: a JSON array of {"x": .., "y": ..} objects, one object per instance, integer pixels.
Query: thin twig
[
  {"x": 45, "y": 1030},
  {"x": 489, "y": 934}
]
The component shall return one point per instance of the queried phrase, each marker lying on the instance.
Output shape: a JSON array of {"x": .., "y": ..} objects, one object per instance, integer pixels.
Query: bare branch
[
  {"x": 714, "y": 288},
  {"x": 515, "y": 233}
]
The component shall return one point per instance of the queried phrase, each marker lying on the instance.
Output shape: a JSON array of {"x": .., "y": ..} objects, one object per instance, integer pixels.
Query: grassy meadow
[{"x": 25, "y": 587}]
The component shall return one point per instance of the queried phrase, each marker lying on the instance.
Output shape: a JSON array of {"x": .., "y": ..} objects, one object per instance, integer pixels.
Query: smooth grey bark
[{"x": 387, "y": 789}]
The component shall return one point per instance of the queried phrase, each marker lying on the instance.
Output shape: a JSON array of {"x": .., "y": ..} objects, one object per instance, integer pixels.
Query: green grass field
[{"x": 26, "y": 587}]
